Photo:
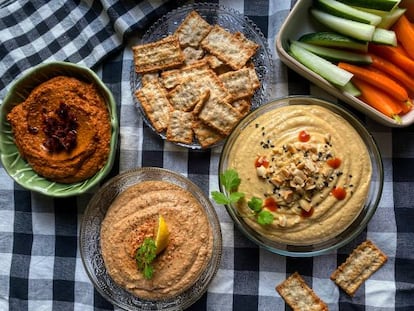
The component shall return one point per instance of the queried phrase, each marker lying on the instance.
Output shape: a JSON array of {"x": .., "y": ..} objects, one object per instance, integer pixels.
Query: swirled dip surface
[
  {"x": 63, "y": 129},
  {"x": 309, "y": 166},
  {"x": 133, "y": 216}
]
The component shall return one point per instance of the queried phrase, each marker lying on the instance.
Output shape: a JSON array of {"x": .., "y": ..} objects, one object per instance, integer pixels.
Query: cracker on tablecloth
[
  {"x": 192, "y": 30},
  {"x": 298, "y": 295},
  {"x": 229, "y": 48},
  {"x": 159, "y": 55},
  {"x": 358, "y": 267},
  {"x": 155, "y": 103},
  {"x": 180, "y": 127}
]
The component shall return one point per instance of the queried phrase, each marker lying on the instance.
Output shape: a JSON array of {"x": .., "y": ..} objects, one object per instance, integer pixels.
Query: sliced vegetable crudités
[
  {"x": 321, "y": 66},
  {"x": 334, "y": 40},
  {"x": 336, "y": 54},
  {"x": 372, "y": 43}
]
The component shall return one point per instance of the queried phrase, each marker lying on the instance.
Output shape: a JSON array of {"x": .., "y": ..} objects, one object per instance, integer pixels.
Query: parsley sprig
[
  {"x": 230, "y": 181},
  {"x": 144, "y": 256}
]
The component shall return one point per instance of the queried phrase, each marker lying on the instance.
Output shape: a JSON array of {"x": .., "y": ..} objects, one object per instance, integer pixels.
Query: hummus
[
  {"x": 309, "y": 166},
  {"x": 133, "y": 216},
  {"x": 63, "y": 130}
]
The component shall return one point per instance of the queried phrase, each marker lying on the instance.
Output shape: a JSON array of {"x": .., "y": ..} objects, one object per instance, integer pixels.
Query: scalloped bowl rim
[{"x": 51, "y": 188}]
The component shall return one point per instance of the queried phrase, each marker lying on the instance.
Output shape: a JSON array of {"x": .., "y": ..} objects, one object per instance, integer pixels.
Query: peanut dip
[{"x": 309, "y": 166}]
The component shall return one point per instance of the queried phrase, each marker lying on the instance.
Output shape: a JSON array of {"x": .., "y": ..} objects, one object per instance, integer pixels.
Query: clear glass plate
[
  {"x": 90, "y": 249},
  {"x": 229, "y": 19}
]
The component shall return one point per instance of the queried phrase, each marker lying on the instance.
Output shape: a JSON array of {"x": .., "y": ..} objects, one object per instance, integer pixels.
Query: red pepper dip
[{"x": 63, "y": 129}]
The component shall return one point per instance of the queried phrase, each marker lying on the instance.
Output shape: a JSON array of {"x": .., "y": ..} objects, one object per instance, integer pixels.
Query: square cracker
[
  {"x": 159, "y": 55},
  {"x": 358, "y": 267},
  {"x": 155, "y": 103},
  {"x": 173, "y": 77},
  {"x": 211, "y": 81},
  {"x": 229, "y": 48},
  {"x": 206, "y": 135},
  {"x": 242, "y": 105},
  {"x": 192, "y": 30},
  {"x": 219, "y": 115},
  {"x": 179, "y": 128},
  {"x": 239, "y": 82},
  {"x": 298, "y": 295},
  {"x": 187, "y": 94},
  {"x": 192, "y": 55}
]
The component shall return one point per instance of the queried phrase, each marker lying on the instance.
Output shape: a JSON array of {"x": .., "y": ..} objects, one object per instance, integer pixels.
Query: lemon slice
[{"x": 161, "y": 238}]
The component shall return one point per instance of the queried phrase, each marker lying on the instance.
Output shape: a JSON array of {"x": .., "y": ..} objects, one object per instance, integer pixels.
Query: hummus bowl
[
  {"x": 310, "y": 172},
  {"x": 125, "y": 286},
  {"x": 41, "y": 83}
]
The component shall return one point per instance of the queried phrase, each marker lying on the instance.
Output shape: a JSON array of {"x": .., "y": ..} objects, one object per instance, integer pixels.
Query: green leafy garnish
[
  {"x": 144, "y": 256},
  {"x": 255, "y": 204},
  {"x": 265, "y": 217},
  {"x": 230, "y": 181}
]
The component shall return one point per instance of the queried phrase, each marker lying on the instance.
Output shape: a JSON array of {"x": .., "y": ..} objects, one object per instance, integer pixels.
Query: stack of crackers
[
  {"x": 196, "y": 83},
  {"x": 358, "y": 267}
]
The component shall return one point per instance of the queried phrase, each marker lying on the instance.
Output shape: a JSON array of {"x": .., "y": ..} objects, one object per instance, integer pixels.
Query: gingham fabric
[{"x": 40, "y": 265}]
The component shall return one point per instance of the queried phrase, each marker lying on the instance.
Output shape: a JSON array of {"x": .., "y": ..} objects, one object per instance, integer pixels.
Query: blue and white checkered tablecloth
[{"x": 40, "y": 265}]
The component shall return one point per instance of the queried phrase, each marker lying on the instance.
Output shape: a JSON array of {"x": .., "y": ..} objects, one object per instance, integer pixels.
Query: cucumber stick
[
  {"x": 346, "y": 11},
  {"x": 353, "y": 29},
  {"x": 334, "y": 40},
  {"x": 351, "y": 89},
  {"x": 336, "y": 55},
  {"x": 390, "y": 18},
  {"x": 319, "y": 65},
  {"x": 381, "y": 5},
  {"x": 384, "y": 36}
]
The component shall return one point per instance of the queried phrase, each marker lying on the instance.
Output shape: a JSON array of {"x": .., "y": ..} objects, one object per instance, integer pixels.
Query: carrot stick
[
  {"x": 400, "y": 49},
  {"x": 393, "y": 70},
  {"x": 406, "y": 107},
  {"x": 405, "y": 34},
  {"x": 378, "y": 99},
  {"x": 377, "y": 79},
  {"x": 393, "y": 55}
]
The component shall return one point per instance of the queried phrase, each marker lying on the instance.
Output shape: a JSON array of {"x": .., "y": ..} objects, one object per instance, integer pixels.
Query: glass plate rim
[{"x": 264, "y": 47}]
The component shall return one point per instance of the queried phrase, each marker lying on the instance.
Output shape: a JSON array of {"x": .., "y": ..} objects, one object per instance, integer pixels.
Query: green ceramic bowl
[{"x": 10, "y": 157}]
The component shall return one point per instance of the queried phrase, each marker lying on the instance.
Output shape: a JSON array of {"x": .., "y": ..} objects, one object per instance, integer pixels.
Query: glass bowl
[
  {"x": 230, "y": 20},
  {"x": 15, "y": 165},
  {"x": 90, "y": 248},
  {"x": 321, "y": 245}
]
